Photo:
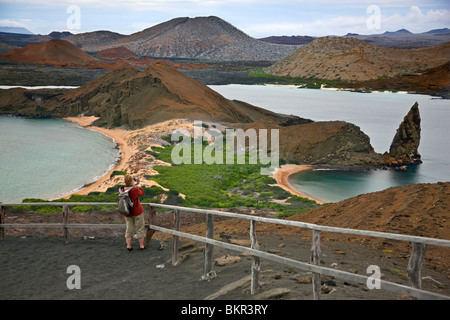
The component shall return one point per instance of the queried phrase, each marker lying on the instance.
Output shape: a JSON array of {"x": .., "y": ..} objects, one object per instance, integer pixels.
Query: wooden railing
[{"x": 413, "y": 270}]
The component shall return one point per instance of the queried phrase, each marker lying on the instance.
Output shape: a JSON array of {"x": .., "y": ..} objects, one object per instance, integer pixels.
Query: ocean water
[
  {"x": 378, "y": 114},
  {"x": 50, "y": 158}
]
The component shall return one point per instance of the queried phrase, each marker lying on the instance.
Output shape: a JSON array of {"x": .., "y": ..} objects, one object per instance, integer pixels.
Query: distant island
[{"x": 213, "y": 51}]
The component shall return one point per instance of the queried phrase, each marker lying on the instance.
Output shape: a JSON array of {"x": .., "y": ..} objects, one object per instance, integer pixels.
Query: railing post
[
  {"x": 256, "y": 264},
  {"x": 2, "y": 221},
  {"x": 209, "y": 248},
  {"x": 315, "y": 259},
  {"x": 177, "y": 223},
  {"x": 65, "y": 221},
  {"x": 151, "y": 220},
  {"x": 414, "y": 268}
]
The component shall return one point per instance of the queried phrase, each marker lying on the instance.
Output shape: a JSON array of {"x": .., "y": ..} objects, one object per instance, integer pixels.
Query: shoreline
[
  {"x": 118, "y": 135},
  {"x": 130, "y": 158},
  {"x": 126, "y": 151},
  {"x": 282, "y": 174}
]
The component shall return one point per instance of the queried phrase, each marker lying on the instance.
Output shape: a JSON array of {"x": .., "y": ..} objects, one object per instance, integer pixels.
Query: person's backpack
[{"x": 124, "y": 203}]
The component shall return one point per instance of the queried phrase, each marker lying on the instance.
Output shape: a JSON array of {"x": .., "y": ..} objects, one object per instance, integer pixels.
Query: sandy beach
[
  {"x": 281, "y": 176},
  {"x": 133, "y": 157},
  {"x": 130, "y": 158}
]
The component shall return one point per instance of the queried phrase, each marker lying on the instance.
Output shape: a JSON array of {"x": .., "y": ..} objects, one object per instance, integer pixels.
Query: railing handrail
[
  {"x": 387, "y": 285},
  {"x": 306, "y": 225},
  {"x": 414, "y": 266}
]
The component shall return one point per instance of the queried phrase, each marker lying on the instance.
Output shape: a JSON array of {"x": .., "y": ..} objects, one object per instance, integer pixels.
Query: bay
[
  {"x": 50, "y": 158},
  {"x": 32, "y": 166},
  {"x": 378, "y": 114}
]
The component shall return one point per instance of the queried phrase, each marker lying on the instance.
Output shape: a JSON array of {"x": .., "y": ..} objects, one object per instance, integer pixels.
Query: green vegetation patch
[
  {"x": 204, "y": 185},
  {"x": 226, "y": 186},
  {"x": 152, "y": 194}
]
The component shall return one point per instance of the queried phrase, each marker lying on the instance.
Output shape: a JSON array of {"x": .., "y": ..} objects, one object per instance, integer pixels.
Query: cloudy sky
[{"x": 257, "y": 18}]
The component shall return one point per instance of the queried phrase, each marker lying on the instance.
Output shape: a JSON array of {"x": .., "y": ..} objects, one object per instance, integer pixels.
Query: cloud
[
  {"x": 11, "y": 23},
  {"x": 16, "y": 23},
  {"x": 335, "y": 26},
  {"x": 258, "y": 18},
  {"x": 417, "y": 21},
  {"x": 414, "y": 20}
]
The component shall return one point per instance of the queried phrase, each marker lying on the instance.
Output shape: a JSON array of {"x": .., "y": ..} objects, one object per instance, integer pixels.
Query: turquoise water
[
  {"x": 50, "y": 158},
  {"x": 334, "y": 186},
  {"x": 378, "y": 115}
]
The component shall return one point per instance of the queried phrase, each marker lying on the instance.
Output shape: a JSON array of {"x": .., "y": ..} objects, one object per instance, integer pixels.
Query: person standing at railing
[{"x": 135, "y": 220}]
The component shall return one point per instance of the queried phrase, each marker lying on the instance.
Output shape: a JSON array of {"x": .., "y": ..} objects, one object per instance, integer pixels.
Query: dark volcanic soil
[
  {"x": 37, "y": 75},
  {"x": 433, "y": 82},
  {"x": 34, "y": 262}
]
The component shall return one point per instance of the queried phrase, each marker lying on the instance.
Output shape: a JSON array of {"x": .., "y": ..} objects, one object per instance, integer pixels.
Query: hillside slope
[
  {"x": 134, "y": 98},
  {"x": 90, "y": 41},
  {"x": 349, "y": 59},
  {"x": 156, "y": 94},
  {"x": 419, "y": 209},
  {"x": 53, "y": 52},
  {"x": 195, "y": 38},
  {"x": 435, "y": 81},
  {"x": 122, "y": 54},
  {"x": 57, "y": 53}
]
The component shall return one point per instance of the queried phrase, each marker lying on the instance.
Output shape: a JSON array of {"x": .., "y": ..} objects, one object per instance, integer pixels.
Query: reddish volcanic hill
[
  {"x": 156, "y": 94},
  {"x": 58, "y": 53},
  {"x": 54, "y": 52},
  {"x": 119, "y": 53}
]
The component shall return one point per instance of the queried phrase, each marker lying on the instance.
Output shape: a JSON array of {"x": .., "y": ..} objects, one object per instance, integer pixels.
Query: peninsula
[{"x": 128, "y": 103}]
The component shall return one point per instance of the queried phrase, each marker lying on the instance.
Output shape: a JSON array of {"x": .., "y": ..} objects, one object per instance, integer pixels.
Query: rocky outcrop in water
[
  {"x": 405, "y": 145},
  {"x": 336, "y": 143}
]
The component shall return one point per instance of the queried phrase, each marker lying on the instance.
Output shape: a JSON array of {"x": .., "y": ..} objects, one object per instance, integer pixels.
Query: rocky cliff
[
  {"x": 339, "y": 143},
  {"x": 336, "y": 143},
  {"x": 405, "y": 145}
]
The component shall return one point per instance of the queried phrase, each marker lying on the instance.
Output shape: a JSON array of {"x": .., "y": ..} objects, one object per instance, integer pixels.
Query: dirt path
[
  {"x": 36, "y": 268},
  {"x": 34, "y": 262}
]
